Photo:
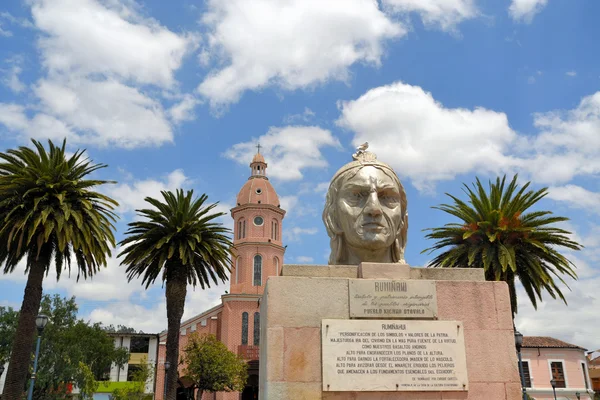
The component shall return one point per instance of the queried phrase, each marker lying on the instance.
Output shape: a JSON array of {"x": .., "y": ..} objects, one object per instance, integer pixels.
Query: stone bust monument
[{"x": 366, "y": 212}]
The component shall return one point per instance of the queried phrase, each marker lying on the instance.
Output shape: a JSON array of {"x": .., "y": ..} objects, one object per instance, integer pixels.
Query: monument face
[
  {"x": 385, "y": 355},
  {"x": 366, "y": 213}
]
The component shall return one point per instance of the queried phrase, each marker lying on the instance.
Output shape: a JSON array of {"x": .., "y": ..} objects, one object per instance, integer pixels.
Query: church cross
[{"x": 258, "y": 146}]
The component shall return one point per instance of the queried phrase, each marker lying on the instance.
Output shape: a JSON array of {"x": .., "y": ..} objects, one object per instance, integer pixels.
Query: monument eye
[{"x": 258, "y": 221}]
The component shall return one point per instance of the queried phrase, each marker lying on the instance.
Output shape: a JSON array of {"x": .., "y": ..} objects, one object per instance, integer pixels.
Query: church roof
[
  {"x": 547, "y": 342},
  {"x": 258, "y": 158},
  {"x": 257, "y": 190}
]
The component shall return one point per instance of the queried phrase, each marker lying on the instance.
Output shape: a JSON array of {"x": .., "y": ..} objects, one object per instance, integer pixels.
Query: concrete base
[{"x": 294, "y": 304}]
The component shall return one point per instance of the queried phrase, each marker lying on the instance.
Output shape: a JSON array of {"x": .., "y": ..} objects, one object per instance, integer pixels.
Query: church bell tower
[{"x": 258, "y": 249}]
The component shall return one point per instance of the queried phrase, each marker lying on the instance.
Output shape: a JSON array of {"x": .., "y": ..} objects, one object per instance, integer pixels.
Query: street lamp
[
  {"x": 167, "y": 366},
  {"x": 578, "y": 395},
  {"x": 40, "y": 323},
  {"x": 518, "y": 345},
  {"x": 553, "y": 383}
]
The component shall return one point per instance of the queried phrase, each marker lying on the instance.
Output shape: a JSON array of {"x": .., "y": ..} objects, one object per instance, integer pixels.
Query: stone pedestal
[{"x": 295, "y": 303}]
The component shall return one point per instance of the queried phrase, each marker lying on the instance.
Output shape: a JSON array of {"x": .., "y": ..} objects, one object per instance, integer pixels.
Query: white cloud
[
  {"x": 567, "y": 144},
  {"x": 576, "y": 196},
  {"x": 294, "y": 234},
  {"x": 131, "y": 195},
  {"x": 15, "y": 119},
  {"x": 13, "y": 116},
  {"x": 4, "y": 32},
  {"x": 304, "y": 259},
  {"x": 525, "y": 10},
  {"x": 22, "y": 22},
  {"x": 406, "y": 127},
  {"x": 88, "y": 37},
  {"x": 136, "y": 315},
  {"x": 184, "y": 110},
  {"x": 291, "y": 44},
  {"x": 100, "y": 59},
  {"x": 288, "y": 203},
  {"x": 288, "y": 150},
  {"x": 571, "y": 73},
  {"x": 445, "y": 13},
  {"x": 304, "y": 116},
  {"x": 106, "y": 112},
  {"x": 11, "y": 79}
]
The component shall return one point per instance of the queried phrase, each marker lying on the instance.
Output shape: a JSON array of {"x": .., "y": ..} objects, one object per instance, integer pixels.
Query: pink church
[{"x": 258, "y": 254}]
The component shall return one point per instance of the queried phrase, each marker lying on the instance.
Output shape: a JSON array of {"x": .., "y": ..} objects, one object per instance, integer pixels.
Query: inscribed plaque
[
  {"x": 372, "y": 298},
  {"x": 385, "y": 355}
]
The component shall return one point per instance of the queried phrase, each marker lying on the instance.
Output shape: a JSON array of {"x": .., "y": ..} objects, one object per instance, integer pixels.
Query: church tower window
[
  {"x": 245, "y": 328},
  {"x": 241, "y": 228},
  {"x": 257, "y": 270},
  {"x": 237, "y": 269},
  {"x": 256, "y": 328},
  {"x": 274, "y": 230}
]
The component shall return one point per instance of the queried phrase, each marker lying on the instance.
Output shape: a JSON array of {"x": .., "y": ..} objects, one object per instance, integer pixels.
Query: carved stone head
[{"x": 366, "y": 213}]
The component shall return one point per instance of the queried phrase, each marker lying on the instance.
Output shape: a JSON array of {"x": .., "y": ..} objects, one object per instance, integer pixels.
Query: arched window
[
  {"x": 256, "y": 328},
  {"x": 276, "y": 264},
  {"x": 245, "y": 328},
  {"x": 257, "y": 270},
  {"x": 237, "y": 269}
]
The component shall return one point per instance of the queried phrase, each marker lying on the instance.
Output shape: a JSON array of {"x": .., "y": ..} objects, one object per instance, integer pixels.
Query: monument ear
[{"x": 401, "y": 239}]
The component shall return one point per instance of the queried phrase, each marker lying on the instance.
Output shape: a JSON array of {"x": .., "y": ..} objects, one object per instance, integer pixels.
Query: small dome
[
  {"x": 257, "y": 191},
  {"x": 258, "y": 158}
]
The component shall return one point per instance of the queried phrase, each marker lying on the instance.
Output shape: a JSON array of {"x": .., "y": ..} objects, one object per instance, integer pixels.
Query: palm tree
[
  {"x": 498, "y": 234},
  {"x": 48, "y": 213},
  {"x": 179, "y": 241}
]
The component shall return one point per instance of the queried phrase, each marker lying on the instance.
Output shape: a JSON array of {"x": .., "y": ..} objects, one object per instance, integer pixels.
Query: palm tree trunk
[
  {"x": 175, "y": 293},
  {"x": 512, "y": 291},
  {"x": 20, "y": 356}
]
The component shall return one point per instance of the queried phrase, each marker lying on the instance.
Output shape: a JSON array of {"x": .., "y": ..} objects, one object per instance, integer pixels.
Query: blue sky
[{"x": 177, "y": 94}]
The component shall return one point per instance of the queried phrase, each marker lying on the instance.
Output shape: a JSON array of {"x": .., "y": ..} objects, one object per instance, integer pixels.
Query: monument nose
[{"x": 372, "y": 205}]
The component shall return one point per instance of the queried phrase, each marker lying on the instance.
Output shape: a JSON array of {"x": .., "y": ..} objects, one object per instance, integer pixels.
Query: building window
[
  {"x": 256, "y": 328},
  {"x": 237, "y": 269},
  {"x": 258, "y": 220},
  {"x": 585, "y": 375},
  {"x": 245, "y": 328},
  {"x": 558, "y": 374},
  {"x": 276, "y": 263},
  {"x": 132, "y": 370},
  {"x": 139, "y": 345},
  {"x": 274, "y": 230},
  {"x": 257, "y": 270},
  {"x": 526, "y": 374},
  {"x": 241, "y": 229}
]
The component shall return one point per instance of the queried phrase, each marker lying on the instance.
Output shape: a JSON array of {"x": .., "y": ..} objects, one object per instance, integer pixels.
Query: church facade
[{"x": 258, "y": 254}]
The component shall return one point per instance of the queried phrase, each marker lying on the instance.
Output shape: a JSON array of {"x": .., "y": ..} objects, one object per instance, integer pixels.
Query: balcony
[{"x": 248, "y": 353}]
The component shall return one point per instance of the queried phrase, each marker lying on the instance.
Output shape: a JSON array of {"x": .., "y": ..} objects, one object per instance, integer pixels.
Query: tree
[
  {"x": 212, "y": 367},
  {"x": 48, "y": 214},
  {"x": 120, "y": 329},
  {"x": 8, "y": 324},
  {"x": 179, "y": 242},
  {"x": 498, "y": 234},
  {"x": 71, "y": 351},
  {"x": 139, "y": 380},
  {"x": 88, "y": 385}
]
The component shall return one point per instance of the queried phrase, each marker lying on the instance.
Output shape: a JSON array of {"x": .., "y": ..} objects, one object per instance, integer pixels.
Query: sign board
[
  {"x": 384, "y": 355},
  {"x": 384, "y": 298}
]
